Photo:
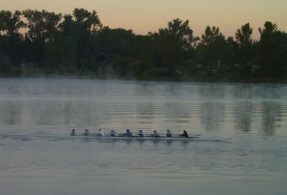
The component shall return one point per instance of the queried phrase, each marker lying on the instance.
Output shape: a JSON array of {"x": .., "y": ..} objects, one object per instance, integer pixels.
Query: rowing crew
[{"x": 128, "y": 133}]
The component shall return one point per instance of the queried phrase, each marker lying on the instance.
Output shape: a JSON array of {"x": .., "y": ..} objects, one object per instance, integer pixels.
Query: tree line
[{"x": 42, "y": 42}]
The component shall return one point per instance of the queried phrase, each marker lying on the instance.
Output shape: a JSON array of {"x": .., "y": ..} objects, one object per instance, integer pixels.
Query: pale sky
[{"x": 143, "y": 16}]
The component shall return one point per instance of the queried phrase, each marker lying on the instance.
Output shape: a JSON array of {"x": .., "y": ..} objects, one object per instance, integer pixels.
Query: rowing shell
[{"x": 175, "y": 138}]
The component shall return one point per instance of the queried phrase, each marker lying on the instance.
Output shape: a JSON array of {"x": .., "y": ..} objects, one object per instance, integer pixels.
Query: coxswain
[
  {"x": 101, "y": 133},
  {"x": 141, "y": 133},
  {"x": 73, "y": 133},
  {"x": 184, "y": 134},
  {"x": 86, "y": 133},
  {"x": 168, "y": 133}
]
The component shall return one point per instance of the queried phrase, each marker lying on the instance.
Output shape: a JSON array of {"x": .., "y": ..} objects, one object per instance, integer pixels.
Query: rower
[
  {"x": 73, "y": 133},
  {"x": 101, "y": 133},
  {"x": 128, "y": 133},
  {"x": 113, "y": 133},
  {"x": 184, "y": 134},
  {"x": 141, "y": 133},
  {"x": 155, "y": 134},
  {"x": 168, "y": 133},
  {"x": 86, "y": 133}
]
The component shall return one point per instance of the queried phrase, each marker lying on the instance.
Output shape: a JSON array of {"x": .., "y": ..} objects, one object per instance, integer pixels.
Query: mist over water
[
  {"x": 242, "y": 142},
  {"x": 62, "y": 104}
]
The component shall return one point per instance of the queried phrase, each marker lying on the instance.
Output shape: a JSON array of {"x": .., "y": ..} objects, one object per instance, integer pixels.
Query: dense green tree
[
  {"x": 42, "y": 25},
  {"x": 146, "y": 52},
  {"x": 172, "y": 45},
  {"x": 75, "y": 48},
  {"x": 212, "y": 46},
  {"x": 169, "y": 56},
  {"x": 269, "y": 29},
  {"x": 77, "y": 43},
  {"x": 116, "y": 49},
  {"x": 211, "y": 34},
  {"x": 243, "y": 36},
  {"x": 216, "y": 55},
  {"x": 272, "y": 58},
  {"x": 10, "y": 23},
  {"x": 116, "y": 41},
  {"x": 42, "y": 29},
  {"x": 87, "y": 21},
  {"x": 11, "y": 42},
  {"x": 246, "y": 50},
  {"x": 182, "y": 31}
]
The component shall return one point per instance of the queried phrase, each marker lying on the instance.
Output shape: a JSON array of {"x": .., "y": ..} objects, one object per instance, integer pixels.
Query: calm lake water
[{"x": 242, "y": 148}]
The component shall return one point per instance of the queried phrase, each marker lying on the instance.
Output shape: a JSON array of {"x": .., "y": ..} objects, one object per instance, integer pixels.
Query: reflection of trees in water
[
  {"x": 56, "y": 113},
  {"x": 48, "y": 113},
  {"x": 163, "y": 102},
  {"x": 10, "y": 113},
  {"x": 212, "y": 115},
  {"x": 270, "y": 107},
  {"x": 242, "y": 94},
  {"x": 178, "y": 113},
  {"x": 213, "y": 91},
  {"x": 145, "y": 103},
  {"x": 144, "y": 112},
  {"x": 79, "y": 114},
  {"x": 242, "y": 115},
  {"x": 212, "y": 111},
  {"x": 245, "y": 92},
  {"x": 150, "y": 105},
  {"x": 270, "y": 115},
  {"x": 271, "y": 112}
]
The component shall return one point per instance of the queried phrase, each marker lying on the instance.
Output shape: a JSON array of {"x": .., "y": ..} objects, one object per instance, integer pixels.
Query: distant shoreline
[
  {"x": 115, "y": 77},
  {"x": 47, "y": 43}
]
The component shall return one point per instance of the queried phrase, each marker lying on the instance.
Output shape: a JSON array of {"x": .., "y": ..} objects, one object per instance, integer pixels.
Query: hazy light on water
[
  {"x": 65, "y": 103},
  {"x": 241, "y": 150}
]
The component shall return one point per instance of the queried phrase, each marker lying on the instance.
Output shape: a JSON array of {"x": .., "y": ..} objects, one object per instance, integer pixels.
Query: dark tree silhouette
[{"x": 35, "y": 41}]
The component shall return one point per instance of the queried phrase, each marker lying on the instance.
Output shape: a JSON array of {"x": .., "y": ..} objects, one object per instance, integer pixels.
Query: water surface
[{"x": 241, "y": 150}]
